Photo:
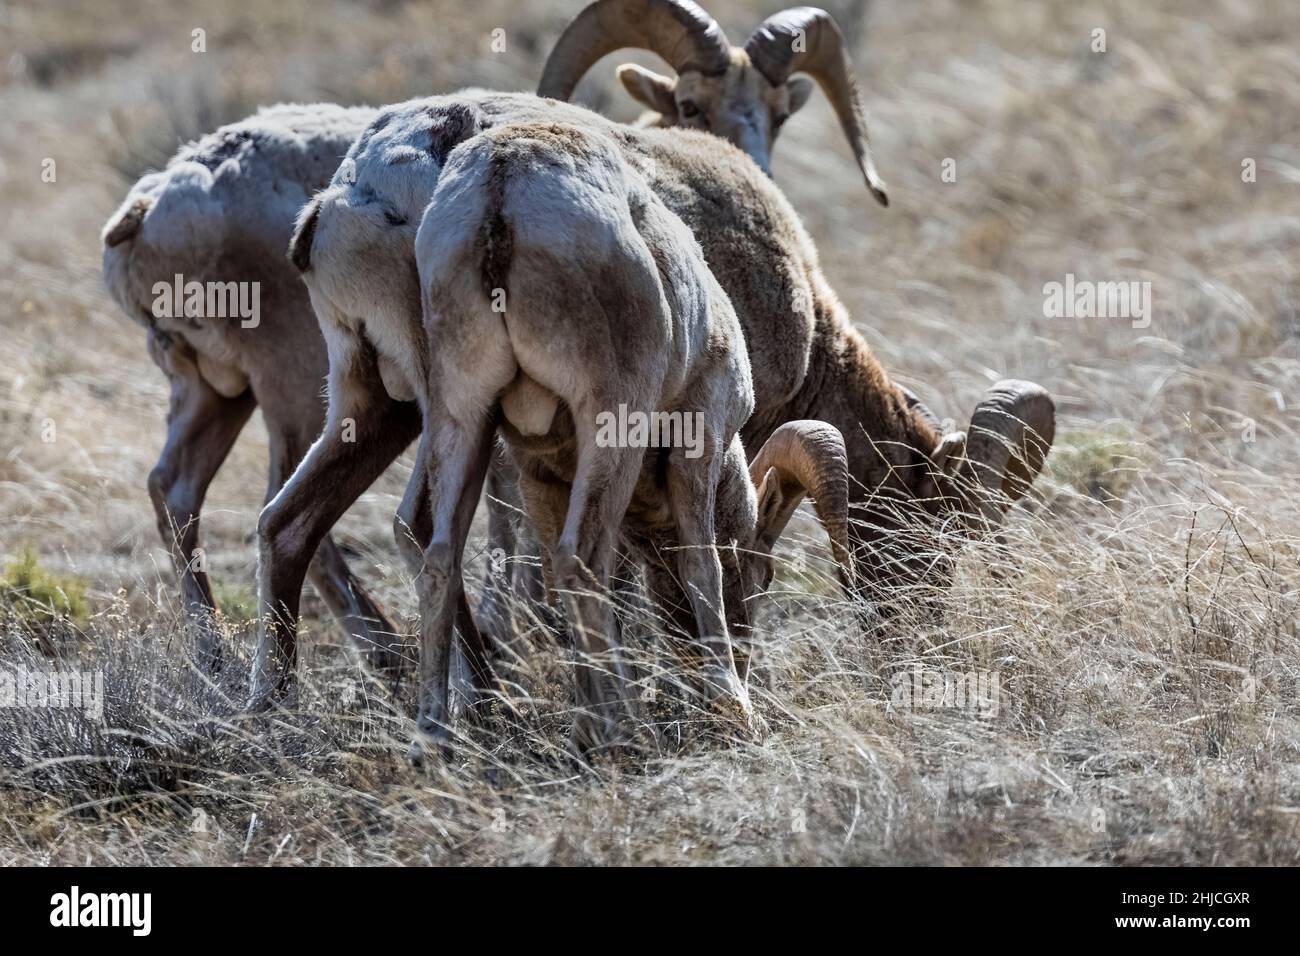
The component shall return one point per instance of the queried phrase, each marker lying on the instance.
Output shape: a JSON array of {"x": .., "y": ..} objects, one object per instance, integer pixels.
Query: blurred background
[{"x": 1123, "y": 165}]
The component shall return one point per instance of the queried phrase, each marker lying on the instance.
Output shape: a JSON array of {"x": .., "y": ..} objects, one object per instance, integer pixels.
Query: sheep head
[
  {"x": 959, "y": 485},
  {"x": 744, "y": 95}
]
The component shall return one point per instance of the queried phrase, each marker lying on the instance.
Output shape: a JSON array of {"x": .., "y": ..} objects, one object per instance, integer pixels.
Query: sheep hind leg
[
  {"x": 545, "y": 503},
  {"x": 456, "y": 479},
  {"x": 201, "y": 429},
  {"x": 692, "y": 485},
  {"x": 413, "y": 523},
  {"x": 330, "y": 478},
  {"x": 604, "y": 481},
  {"x": 505, "y": 579},
  {"x": 363, "y": 620},
  {"x": 374, "y": 635},
  {"x": 413, "y": 529}
]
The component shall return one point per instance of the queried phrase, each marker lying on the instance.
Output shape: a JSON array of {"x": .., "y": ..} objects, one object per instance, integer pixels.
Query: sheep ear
[
  {"x": 304, "y": 234},
  {"x": 649, "y": 88},
  {"x": 128, "y": 224},
  {"x": 800, "y": 90},
  {"x": 952, "y": 449}
]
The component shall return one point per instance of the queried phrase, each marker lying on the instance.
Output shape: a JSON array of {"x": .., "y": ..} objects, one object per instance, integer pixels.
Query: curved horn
[
  {"x": 808, "y": 40},
  {"x": 809, "y": 458},
  {"x": 1010, "y": 434},
  {"x": 678, "y": 30}
]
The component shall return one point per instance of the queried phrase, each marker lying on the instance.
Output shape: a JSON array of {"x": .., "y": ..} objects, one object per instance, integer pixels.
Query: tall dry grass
[{"x": 1140, "y": 615}]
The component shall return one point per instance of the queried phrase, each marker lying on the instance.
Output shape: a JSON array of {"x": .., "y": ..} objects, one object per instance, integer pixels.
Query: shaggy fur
[{"x": 222, "y": 210}]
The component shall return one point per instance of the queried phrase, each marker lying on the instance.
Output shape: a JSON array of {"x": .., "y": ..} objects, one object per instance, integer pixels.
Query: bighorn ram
[
  {"x": 744, "y": 95},
  {"x": 218, "y": 219},
  {"x": 220, "y": 215},
  {"x": 355, "y": 242},
  {"x": 608, "y": 305}
]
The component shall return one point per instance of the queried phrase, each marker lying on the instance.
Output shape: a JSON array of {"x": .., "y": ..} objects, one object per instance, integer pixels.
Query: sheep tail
[{"x": 128, "y": 223}]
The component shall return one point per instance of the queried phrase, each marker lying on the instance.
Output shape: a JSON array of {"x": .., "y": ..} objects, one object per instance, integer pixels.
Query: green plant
[
  {"x": 238, "y": 602},
  {"x": 38, "y": 597},
  {"x": 1097, "y": 462}
]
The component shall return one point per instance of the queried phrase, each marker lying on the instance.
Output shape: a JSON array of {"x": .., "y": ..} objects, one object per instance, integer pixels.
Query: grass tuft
[{"x": 37, "y": 597}]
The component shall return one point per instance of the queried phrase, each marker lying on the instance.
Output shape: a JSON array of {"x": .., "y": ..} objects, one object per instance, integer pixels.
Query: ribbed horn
[
  {"x": 1010, "y": 434},
  {"x": 678, "y": 30},
  {"x": 810, "y": 459},
  {"x": 808, "y": 40}
]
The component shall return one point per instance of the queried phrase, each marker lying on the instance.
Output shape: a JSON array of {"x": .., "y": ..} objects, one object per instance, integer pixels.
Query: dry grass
[{"x": 1141, "y": 617}]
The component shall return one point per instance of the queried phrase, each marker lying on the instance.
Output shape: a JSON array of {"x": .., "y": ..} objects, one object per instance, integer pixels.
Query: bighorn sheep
[
  {"x": 355, "y": 242},
  {"x": 744, "y": 95},
  {"x": 606, "y": 303},
  {"x": 220, "y": 215}
]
